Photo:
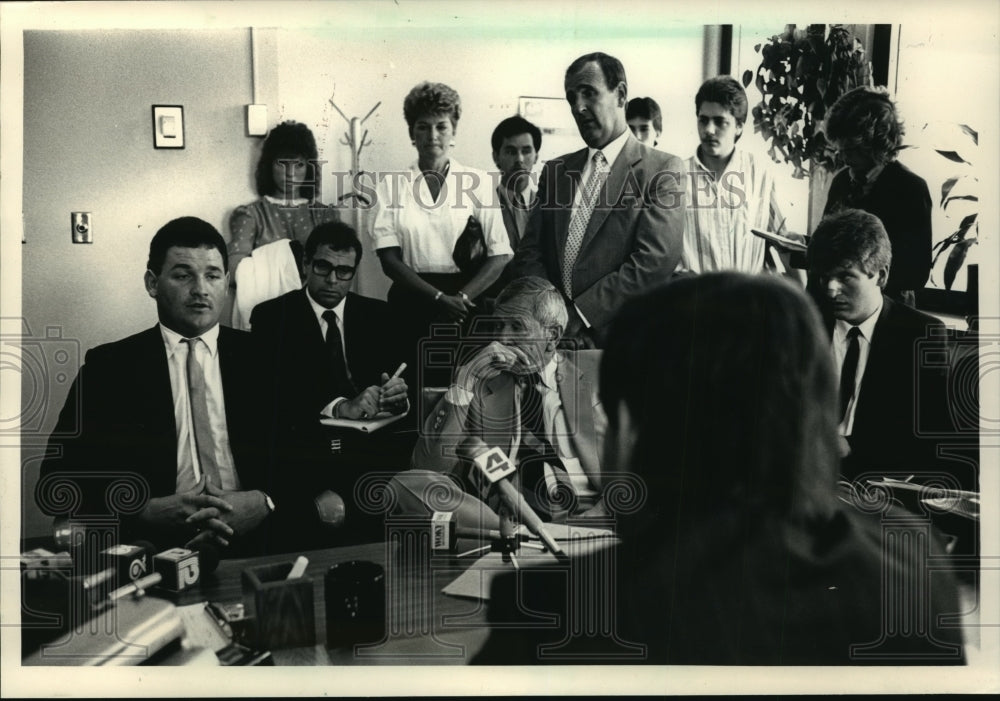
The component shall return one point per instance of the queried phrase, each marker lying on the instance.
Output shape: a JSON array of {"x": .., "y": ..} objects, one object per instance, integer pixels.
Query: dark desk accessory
[
  {"x": 355, "y": 603},
  {"x": 280, "y": 610},
  {"x": 470, "y": 248}
]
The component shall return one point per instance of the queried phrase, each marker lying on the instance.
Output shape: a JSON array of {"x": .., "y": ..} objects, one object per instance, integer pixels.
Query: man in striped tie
[
  {"x": 172, "y": 411},
  {"x": 609, "y": 224}
]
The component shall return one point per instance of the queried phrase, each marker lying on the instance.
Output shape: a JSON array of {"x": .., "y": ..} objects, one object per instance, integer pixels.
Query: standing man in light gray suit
[{"x": 609, "y": 224}]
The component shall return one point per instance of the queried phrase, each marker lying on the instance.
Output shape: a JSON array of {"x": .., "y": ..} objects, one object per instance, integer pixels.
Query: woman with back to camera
[
  {"x": 721, "y": 401},
  {"x": 287, "y": 181},
  {"x": 422, "y": 213},
  {"x": 867, "y": 131}
]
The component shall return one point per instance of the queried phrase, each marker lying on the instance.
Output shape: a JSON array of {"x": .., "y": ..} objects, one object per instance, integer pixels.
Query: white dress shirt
[
  {"x": 207, "y": 355},
  {"x": 867, "y": 331},
  {"x": 426, "y": 230}
]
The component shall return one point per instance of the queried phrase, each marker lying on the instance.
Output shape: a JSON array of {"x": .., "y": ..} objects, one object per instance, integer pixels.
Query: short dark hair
[
  {"x": 338, "y": 235},
  {"x": 729, "y": 381},
  {"x": 611, "y": 67},
  {"x": 428, "y": 98},
  {"x": 184, "y": 232},
  {"x": 286, "y": 139},
  {"x": 726, "y": 91},
  {"x": 515, "y": 126},
  {"x": 645, "y": 108},
  {"x": 849, "y": 237}
]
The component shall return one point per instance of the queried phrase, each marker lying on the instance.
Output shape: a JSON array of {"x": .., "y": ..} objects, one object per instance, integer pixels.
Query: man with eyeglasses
[{"x": 327, "y": 352}]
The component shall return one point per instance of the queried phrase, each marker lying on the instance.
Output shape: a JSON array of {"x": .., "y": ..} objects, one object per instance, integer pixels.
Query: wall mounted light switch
[{"x": 81, "y": 227}]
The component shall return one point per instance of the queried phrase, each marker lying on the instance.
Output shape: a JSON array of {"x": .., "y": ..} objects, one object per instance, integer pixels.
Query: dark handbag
[{"x": 470, "y": 249}]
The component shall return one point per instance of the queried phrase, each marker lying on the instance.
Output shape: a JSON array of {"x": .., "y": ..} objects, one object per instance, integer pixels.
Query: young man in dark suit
[
  {"x": 609, "y": 224},
  {"x": 886, "y": 392},
  {"x": 169, "y": 441},
  {"x": 330, "y": 353}
]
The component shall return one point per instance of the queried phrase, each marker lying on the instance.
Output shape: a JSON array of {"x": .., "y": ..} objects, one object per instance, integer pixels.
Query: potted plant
[
  {"x": 801, "y": 74},
  {"x": 958, "y": 188}
]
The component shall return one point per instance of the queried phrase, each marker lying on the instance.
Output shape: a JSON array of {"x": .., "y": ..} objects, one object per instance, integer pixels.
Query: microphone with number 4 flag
[{"x": 494, "y": 466}]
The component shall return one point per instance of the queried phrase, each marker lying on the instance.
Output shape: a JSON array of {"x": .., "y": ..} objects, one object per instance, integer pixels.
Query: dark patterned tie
[
  {"x": 338, "y": 363},
  {"x": 200, "y": 424},
  {"x": 849, "y": 370}
]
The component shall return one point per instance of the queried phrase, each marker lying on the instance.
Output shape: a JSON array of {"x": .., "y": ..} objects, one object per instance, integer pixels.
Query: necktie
[
  {"x": 342, "y": 382},
  {"x": 581, "y": 217},
  {"x": 849, "y": 370},
  {"x": 536, "y": 450},
  {"x": 200, "y": 424}
]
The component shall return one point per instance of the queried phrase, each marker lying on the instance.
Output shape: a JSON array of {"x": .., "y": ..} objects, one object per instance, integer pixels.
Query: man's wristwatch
[
  {"x": 438, "y": 295},
  {"x": 268, "y": 503}
]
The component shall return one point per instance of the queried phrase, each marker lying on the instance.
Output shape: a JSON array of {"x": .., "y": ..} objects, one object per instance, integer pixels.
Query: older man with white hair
[{"x": 535, "y": 403}]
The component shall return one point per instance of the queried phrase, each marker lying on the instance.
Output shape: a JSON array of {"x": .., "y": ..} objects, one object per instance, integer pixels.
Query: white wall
[
  {"x": 489, "y": 70},
  {"x": 88, "y": 146}
]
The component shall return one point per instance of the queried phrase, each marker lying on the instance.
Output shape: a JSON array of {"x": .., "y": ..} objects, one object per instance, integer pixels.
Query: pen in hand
[
  {"x": 395, "y": 375},
  {"x": 399, "y": 371}
]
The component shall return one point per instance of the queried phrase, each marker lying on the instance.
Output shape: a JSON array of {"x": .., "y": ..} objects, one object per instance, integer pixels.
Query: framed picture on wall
[{"x": 168, "y": 126}]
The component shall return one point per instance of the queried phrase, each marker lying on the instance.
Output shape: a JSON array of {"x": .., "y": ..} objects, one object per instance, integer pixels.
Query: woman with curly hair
[
  {"x": 868, "y": 134},
  {"x": 288, "y": 184},
  {"x": 422, "y": 213}
]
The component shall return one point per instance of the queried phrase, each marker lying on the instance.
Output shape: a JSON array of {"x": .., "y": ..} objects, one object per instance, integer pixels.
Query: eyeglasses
[{"x": 324, "y": 268}]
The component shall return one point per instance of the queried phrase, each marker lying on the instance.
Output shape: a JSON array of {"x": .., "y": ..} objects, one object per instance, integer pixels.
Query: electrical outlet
[{"x": 81, "y": 227}]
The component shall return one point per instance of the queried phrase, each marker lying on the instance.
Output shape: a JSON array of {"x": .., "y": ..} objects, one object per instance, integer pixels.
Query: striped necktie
[
  {"x": 200, "y": 424},
  {"x": 581, "y": 217}
]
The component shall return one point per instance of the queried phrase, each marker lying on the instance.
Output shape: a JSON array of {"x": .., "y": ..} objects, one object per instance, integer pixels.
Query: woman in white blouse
[{"x": 421, "y": 214}]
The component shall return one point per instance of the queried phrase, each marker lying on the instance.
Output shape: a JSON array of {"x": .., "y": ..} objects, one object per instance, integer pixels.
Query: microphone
[
  {"x": 129, "y": 561},
  {"x": 494, "y": 466},
  {"x": 181, "y": 568}
]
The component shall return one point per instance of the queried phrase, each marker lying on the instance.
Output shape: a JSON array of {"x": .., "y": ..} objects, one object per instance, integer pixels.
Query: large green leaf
[
  {"x": 946, "y": 188},
  {"x": 955, "y": 261},
  {"x": 971, "y": 198},
  {"x": 951, "y": 156},
  {"x": 747, "y": 77},
  {"x": 967, "y": 222},
  {"x": 971, "y": 132}
]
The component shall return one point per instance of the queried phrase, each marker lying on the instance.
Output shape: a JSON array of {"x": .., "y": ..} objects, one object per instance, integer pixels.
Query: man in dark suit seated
[
  {"x": 720, "y": 395},
  {"x": 886, "y": 392},
  {"x": 328, "y": 352},
  {"x": 609, "y": 223},
  {"x": 537, "y": 404},
  {"x": 173, "y": 413}
]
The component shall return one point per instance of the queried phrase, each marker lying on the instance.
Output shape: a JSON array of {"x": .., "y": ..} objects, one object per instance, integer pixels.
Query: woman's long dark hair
[
  {"x": 288, "y": 140},
  {"x": 729, "y": 382}
]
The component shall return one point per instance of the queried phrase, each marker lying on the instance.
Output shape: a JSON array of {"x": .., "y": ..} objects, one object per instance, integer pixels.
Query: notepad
[
  {"x": 371, "y": 425},
  {"x": 791, "y": 242}
]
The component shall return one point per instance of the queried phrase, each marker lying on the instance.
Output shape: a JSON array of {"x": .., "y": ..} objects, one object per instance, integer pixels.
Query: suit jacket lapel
[
  {"x": 353, "y": 333},
  {"x": 881, "y": 338},
  {"x": 160, "y": 392},
  {"x": 575, "y": 391},
  {"x": 612, "y": 189}
]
